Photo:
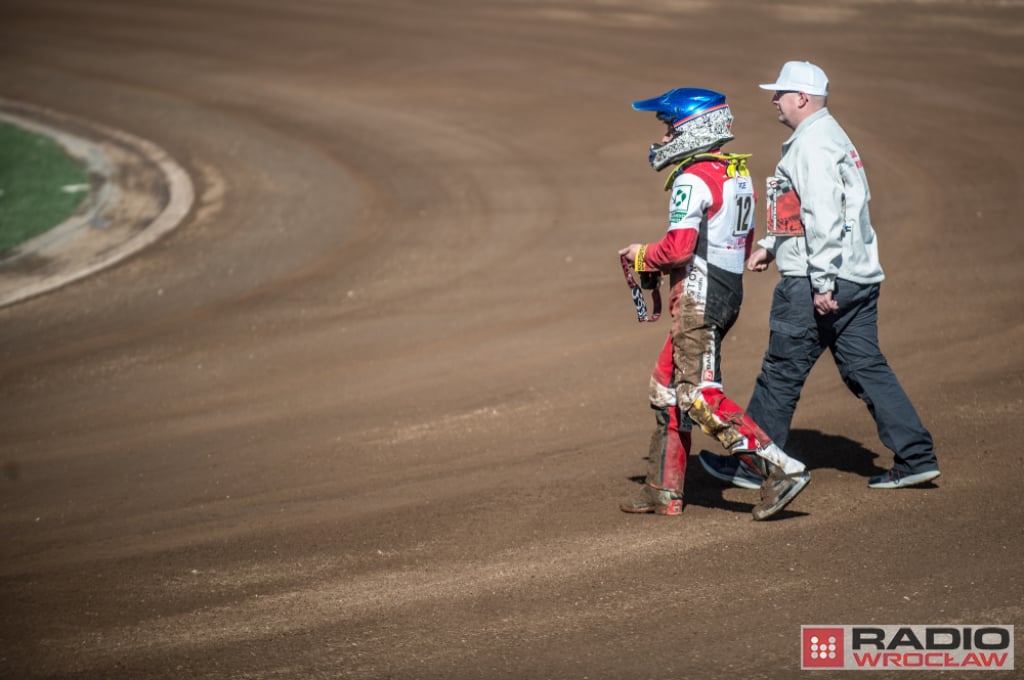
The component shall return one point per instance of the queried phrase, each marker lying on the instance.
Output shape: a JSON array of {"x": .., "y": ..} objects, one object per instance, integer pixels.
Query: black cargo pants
[{"x": 798, "y": 338}]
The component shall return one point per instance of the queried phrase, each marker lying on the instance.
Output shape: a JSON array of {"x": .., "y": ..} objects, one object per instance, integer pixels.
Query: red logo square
[{"x": 822, "y": 647}]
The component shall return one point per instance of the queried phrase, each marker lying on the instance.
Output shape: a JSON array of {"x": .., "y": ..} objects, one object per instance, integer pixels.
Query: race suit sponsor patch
[{"x": 680, "y": 202}]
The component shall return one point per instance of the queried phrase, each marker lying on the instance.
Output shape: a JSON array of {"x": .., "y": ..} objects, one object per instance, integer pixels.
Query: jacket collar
[{"x": 805, "y": 124}]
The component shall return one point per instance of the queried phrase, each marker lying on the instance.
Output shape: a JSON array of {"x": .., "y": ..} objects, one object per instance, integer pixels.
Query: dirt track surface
[{"x": 368, "y": 413}]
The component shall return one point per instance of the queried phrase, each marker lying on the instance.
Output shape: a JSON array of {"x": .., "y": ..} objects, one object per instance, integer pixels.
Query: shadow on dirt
[
  {"x": 820, "y": 450},
  {"x": 706, "y": 492},
  {"x": 815, "y": 448}
]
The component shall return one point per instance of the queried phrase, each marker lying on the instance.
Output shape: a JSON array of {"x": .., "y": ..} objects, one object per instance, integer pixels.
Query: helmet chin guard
[{"x": 699, "y": 121}]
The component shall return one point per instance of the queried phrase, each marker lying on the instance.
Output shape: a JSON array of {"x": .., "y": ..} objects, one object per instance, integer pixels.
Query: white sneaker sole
[{"x": 906, "y": 480}]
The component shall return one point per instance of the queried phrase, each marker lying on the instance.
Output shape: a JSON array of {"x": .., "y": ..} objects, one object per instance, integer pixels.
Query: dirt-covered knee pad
[
  {"x": 661, "y": 396},
  {"x": 685, "y": 394},
  {"x": 704, "y": 411}
]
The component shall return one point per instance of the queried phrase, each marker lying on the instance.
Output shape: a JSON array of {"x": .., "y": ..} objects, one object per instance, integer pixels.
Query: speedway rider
[{"x": 710, "y": 234}]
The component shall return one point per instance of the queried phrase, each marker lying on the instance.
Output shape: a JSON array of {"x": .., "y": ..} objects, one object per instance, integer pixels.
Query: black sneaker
[
  {"x": 778, "y": 490},
  {"x": 730, "y": 470},
  {"x": 894, "y": 479}
]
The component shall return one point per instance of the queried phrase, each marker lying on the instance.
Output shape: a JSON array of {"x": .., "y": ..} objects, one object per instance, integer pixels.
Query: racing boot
[
  {"x": 657, "y": 501},
  {"x": 778, "y": 489}
]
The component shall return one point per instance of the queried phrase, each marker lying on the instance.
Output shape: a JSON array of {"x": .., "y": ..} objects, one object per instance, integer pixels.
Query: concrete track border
[{"x": 121, "y": 215}]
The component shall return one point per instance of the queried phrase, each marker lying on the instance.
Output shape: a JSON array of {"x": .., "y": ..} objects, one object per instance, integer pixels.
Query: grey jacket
[{"x": 825, "y": 171}]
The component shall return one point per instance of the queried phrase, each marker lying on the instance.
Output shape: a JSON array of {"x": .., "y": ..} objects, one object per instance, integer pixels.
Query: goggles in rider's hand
[{"x": 649, "y": 280}]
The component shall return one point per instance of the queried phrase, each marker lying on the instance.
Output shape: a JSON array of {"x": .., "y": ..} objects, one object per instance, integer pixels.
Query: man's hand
[
  {"x": 824, "y": 304},
  {"x": 759, "y": 260}
]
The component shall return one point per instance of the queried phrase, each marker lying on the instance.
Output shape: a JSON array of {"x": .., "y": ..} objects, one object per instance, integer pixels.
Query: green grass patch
[{"x": 40, "y": 185}]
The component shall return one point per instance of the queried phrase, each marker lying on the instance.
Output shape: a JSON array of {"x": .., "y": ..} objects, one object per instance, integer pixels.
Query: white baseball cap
[{"x": 800, "y": 76}]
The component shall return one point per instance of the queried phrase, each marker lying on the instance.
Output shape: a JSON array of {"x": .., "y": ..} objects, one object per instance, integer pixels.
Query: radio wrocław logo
[{"x": 963, "y": 647}]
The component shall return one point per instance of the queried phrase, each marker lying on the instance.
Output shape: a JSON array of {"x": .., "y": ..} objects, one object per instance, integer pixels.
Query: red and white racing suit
[{"x": 709, "y": 237}]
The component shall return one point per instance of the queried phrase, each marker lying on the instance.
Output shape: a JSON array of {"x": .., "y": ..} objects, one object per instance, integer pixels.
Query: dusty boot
[
  {"x": 658, "y": 501},
  {"x": 778, "y": 490}
]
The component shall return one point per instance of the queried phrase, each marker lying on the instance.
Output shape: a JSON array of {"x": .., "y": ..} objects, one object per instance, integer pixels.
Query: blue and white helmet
[{"x": 698, "y": 120}]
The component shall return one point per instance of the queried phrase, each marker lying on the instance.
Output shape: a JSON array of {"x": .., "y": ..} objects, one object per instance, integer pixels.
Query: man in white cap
[{"x": 821, "y": 239}]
